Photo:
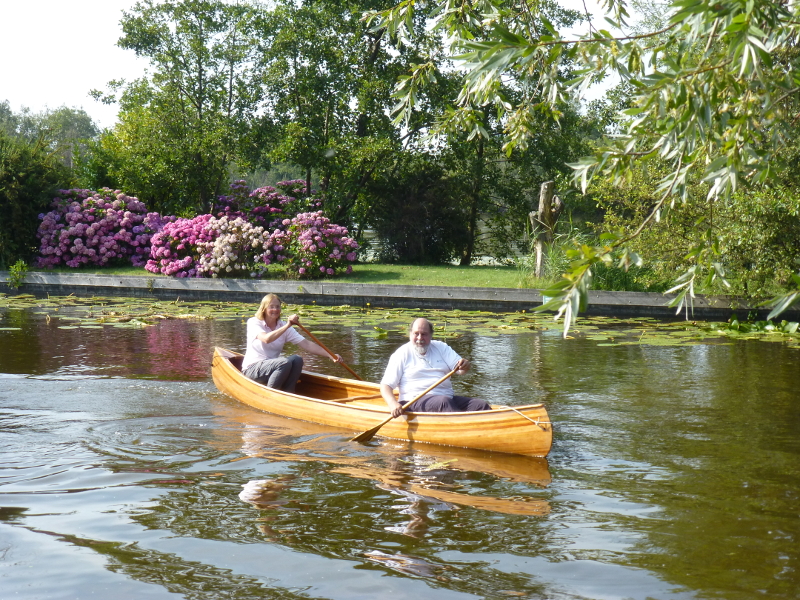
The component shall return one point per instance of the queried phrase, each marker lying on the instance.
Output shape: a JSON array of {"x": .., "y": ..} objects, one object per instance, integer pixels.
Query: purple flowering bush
[
  {"x": 311, "y": 246},
  {"x": 96, "y": 228},
  {"x": 266, "y": 206}
]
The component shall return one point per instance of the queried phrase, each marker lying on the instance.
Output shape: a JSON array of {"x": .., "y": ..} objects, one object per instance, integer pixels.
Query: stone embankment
[{"x": 332, "y": 293}]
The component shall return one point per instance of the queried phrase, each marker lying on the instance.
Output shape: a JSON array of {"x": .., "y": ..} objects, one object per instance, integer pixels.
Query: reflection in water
[
  {"x": 265, "y": 493},
  {"x": 405, "y": 564},
  {"x": 423, "y": 473}
]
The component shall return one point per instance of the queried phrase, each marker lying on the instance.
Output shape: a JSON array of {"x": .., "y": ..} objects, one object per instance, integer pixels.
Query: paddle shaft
[
  {"x": 369, "y": 434},
  {"x": 321, "y": 345}
]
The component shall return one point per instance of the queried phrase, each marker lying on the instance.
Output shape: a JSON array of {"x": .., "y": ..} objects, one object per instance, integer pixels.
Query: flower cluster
[
  {"x": 208, "y": 246},
  {"x": 177, "y": 248},
  {"x": 88, "y": 227},
  {"x": 311, "y": 246},
  {"x": 266, "y": 206},
  {"x": 97, "y": 228},
  {"x": 238, "y": 249}
]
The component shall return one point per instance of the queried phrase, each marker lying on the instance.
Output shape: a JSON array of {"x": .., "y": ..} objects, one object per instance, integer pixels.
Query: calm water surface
[{"x": 675, "y": 474}]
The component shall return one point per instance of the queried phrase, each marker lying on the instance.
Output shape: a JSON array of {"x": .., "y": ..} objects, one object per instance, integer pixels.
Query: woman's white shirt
[{"x": 258, "y": 350}]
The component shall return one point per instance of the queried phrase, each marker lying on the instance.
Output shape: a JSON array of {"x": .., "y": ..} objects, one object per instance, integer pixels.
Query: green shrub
[
  {"x": 16, "y": 274},
  {"x": 30, "y": 174}
]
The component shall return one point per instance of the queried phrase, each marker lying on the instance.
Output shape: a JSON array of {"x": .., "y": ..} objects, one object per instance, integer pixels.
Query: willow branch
[{"x": 656, "y": 208}]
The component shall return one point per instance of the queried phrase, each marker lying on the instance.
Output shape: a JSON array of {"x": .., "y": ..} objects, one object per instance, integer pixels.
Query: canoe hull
[{"x": 518, "y": 430}]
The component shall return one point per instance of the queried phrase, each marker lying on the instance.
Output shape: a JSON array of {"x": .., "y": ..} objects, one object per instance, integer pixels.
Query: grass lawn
[{"x": 446, "y": 275}]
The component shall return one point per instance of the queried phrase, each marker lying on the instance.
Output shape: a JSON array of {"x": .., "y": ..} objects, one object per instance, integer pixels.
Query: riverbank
[{"x": 333, "y": 293}]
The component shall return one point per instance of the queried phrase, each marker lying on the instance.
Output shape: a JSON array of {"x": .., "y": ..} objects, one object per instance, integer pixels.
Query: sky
[{"x": 55, "y": 51}]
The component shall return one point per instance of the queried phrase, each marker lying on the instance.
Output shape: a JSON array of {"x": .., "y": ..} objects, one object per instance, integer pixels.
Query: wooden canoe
[{"x": 357, "y": 406}]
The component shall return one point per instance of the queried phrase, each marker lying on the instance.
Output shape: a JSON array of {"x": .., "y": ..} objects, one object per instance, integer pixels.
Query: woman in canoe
[{"x": 266, "y": 335}]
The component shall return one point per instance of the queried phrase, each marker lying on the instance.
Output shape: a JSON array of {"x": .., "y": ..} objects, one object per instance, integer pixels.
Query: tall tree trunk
[{"x": 477, "y": 188}]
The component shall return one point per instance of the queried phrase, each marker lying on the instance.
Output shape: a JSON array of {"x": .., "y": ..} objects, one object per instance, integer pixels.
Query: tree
[
  {"x": 715, "y": 90},
  {"x": 183, "y": 128},
  {"x": 30, "y": 174},
  {"x": 67, "y": 131},
  {"x": 418, "y": 213},
  {"x": 328, "y": 81}
]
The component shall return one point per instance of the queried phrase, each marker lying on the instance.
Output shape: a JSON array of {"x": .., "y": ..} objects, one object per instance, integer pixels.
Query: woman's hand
[
  {"x": 293, "y": 320},
  {"x": 337, "y": 358}
]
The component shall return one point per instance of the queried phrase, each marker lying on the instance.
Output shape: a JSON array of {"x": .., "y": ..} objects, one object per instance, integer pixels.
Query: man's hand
[
  {"x": 388, "y": 397},
  {"x": 462, "y": 366}
]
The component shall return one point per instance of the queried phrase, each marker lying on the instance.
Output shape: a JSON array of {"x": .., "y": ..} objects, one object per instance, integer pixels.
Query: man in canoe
[
  {"x": 420, "y": 363},
  {"x": 266, "y": 335}
]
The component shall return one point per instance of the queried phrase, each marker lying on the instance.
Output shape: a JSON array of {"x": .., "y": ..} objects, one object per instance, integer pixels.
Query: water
[{"x": 675, "y": 474}]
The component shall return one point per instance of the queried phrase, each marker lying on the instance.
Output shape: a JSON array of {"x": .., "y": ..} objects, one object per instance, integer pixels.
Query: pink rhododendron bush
[
  {"x": 209, "y": 247},
  {"x": 96, "y": 228},
  {"x": 312, "y": 246},
  {"x": 247, "y": 232},
  {"x": 266, "y": 206}
]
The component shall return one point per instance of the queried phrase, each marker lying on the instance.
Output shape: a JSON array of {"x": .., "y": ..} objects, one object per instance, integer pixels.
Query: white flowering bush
[{"x": 237, "y": 250}]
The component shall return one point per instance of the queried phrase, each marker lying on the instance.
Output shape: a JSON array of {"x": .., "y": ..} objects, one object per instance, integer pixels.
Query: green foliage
[
  {"x": 16, "y": 274},
  {"x": 182, "y": 128},
  {"x": 759, "y": 232},
  {"x": 752, "y": 235},
  {"x": 786, "y": 327},
  {"x": 66, "y": 131},
  {"x": 30, "y": 174},
  {"x": 329, "y": 80},
  {"x": 417, "y": 213},
  {"x": 714, "y": 92}
]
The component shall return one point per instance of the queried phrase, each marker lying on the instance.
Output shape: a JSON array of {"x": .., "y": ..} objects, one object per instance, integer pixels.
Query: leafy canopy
[{"x": 714, "y": 90}]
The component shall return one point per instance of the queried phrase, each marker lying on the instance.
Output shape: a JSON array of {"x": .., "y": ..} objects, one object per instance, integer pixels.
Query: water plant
[{"x": 16, "y": 274}]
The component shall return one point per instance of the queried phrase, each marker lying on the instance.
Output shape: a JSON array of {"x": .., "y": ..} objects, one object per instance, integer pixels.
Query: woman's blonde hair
[{"x": 261, "y": 313}]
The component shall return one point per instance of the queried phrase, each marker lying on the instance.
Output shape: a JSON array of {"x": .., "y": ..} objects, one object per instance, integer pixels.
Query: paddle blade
[
  {"x": 369, "y": 433},
  {"x": 366, "y": 435}
]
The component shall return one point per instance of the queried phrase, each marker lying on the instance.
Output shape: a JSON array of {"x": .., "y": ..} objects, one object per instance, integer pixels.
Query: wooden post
[{"x": 543, "y": 221}]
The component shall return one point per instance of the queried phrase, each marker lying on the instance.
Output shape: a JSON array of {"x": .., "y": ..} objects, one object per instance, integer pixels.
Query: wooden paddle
[
  {"x": 321, "y": 345},
  {"x": 370, "y": 433}
]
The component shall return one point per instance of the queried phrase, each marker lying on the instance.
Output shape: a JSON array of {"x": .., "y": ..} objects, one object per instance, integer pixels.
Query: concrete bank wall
[{"x": 330, "y": 293}]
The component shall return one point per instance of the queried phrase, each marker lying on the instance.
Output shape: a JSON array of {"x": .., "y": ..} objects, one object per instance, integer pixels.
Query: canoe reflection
[{"x": 426, "y": 476}]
